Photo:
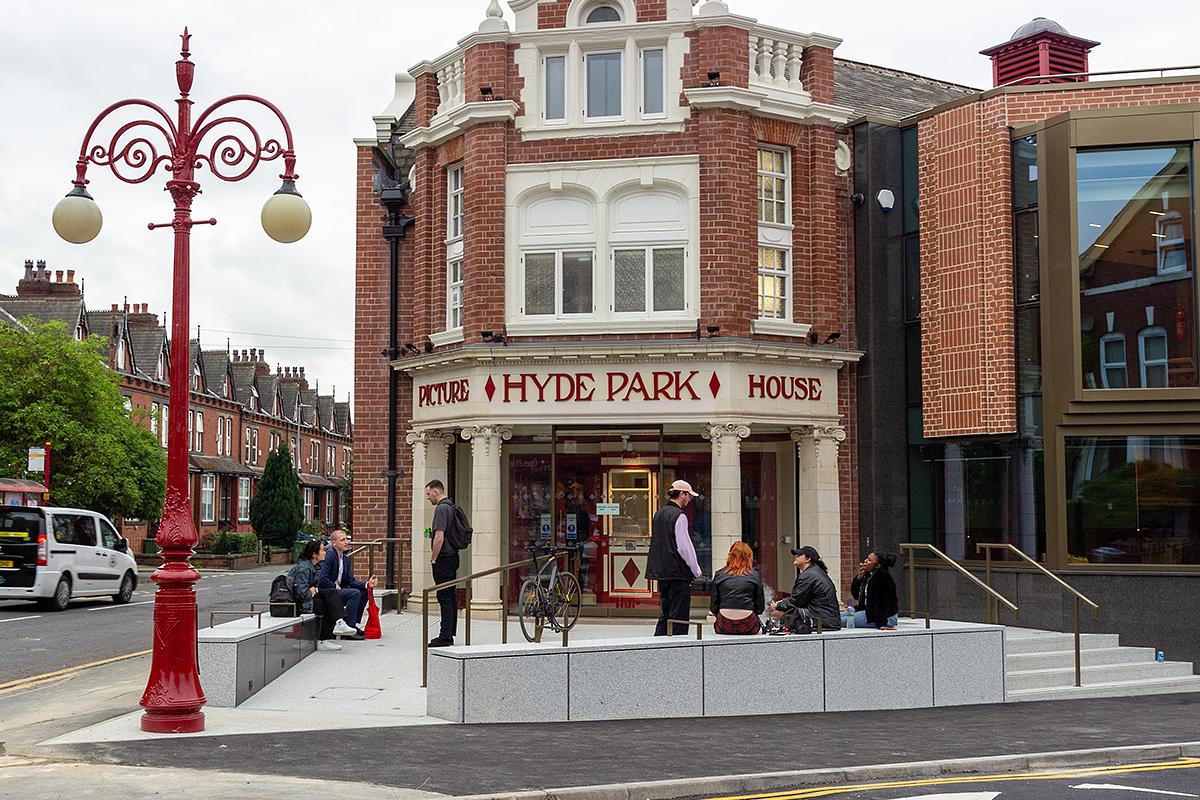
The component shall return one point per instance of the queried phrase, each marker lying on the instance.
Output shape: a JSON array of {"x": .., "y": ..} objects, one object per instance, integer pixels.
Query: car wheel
[
  {"x": 62, "y": 596},
  {"x": 125, "y": 593}
]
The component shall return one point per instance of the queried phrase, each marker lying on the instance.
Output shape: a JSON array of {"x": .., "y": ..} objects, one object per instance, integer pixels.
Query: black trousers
[
  {"x": 446, "y": 569},
  {"x": 328, "y": 605},
  {"x": 675, "y": 598}
]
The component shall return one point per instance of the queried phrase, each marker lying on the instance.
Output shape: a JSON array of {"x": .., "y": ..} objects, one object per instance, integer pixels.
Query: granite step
[
  {"x": 1089, "y": 657},
  {"x": 1018, "y": 641},
  {"x": 1132, "y": 674},
  {"x": 1190, "y": 683}
]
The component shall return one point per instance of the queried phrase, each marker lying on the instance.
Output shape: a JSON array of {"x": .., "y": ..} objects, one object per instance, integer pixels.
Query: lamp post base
[{"x": 166, "y": 722}]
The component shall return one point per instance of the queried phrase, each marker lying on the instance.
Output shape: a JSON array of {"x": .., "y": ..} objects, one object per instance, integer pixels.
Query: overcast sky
[{"x": 329, "y": 67}]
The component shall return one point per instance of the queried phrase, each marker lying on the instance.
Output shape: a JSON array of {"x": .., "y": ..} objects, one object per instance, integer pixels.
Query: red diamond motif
[
  {"x": 490, "y": 387},
  {"x": 630, "y": 572},
  {"x": 714, "y": 385}
]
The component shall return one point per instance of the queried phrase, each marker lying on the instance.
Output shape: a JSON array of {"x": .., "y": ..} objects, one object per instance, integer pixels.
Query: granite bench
[
  {"x": 240, "y": 657},
  {"x": 856, "y": 669}
]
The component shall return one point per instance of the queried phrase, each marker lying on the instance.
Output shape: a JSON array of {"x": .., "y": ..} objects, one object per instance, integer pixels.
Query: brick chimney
[
  {"x": 1040, "y": 47},
  {"x": 139, "y": 316},
  {"x": 259, "y": 357},
  {"x": 37, "y": 282},
  {"x": 303, "y": 380}
]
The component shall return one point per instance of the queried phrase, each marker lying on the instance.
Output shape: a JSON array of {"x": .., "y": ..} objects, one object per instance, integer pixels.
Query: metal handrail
[
  {"x": 912, "y": 575},
  {"x": 466, "y": 580},
  {"x": 213, "y": 614},
  {"x": 988, "y": 547},
  {"x": 699, "y": 623},
  {"x": 370, "y": 546}
]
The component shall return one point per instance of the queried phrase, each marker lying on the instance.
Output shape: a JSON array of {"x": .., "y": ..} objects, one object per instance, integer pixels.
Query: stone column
[
  {"x": 726, "y": 500},
  {"x": 430, "y": 451},
  {"x": 485, "y": 511},
  {"x": 820, "y": 523}
]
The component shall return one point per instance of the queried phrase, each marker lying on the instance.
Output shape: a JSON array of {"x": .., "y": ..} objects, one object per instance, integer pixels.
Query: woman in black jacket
[
  {"x": 875, "y": 592},
  {"x": 737, "y": 593}
]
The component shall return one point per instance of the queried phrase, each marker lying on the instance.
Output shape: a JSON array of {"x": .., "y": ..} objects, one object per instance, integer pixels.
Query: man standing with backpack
[{"x": 451, "y": 533}]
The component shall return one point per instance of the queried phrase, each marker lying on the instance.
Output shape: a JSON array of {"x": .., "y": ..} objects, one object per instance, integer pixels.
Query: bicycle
[{"x": 551, "y": 597}]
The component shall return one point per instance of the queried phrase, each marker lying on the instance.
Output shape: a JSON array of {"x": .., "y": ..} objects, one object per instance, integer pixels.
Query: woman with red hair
[{"x": 737, "y": 593}]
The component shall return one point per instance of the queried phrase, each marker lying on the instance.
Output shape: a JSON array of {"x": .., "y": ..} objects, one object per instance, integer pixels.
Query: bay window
[
  {"x": 558, "y": 282},
  {"x": 603, "y": 79}
]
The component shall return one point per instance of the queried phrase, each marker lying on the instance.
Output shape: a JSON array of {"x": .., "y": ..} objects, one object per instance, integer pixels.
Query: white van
[{"x": 54, "y": 554}]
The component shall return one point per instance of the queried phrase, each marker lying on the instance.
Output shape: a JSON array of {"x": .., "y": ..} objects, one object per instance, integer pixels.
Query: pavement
[{"x": 366, "y": 702}]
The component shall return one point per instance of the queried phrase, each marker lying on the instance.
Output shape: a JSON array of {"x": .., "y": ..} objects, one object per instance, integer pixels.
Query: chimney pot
[
  {"x": 58, "y": 276},
  {"x": 127, "y": 308},
  {"x": 70, "y": 276},
  {"x": 302, "y": 370},
  {"x": 114, "y": 307},
  {"x": 28, "y": 268},
  {"x": 41, "y": 270},
  {"x": 254, "y": 354}
]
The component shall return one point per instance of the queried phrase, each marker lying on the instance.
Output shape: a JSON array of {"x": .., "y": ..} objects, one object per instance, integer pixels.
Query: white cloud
[{"x": 329, "y": 67}]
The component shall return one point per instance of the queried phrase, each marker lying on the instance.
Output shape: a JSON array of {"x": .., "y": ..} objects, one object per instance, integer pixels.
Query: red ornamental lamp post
[{"x": 231, "y": 148}]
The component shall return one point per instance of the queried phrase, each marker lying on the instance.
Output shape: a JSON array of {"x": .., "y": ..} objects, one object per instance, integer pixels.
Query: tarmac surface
[{"x": 480, "y": 759}]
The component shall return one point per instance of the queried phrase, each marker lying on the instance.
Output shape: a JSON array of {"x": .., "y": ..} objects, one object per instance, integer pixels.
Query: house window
[
  {"x": 196, "y": 429},
  {"x": 243, "y": 499},
  {"x": 254, "y": 438},
  {"x": 454, "y": 295},
  {"x": 454, "y": 202},
  {"x": 329, "y": 493},
  {"x": 555, "y": 81},
  {"x": 308, "y": 502},
  {"x": 603, "y": 74},
  {"x": 121, "y": 355},
  {"x": 220, "y": 435},
  {"x": 1112, "y": 361},
  {"x": 331, "y": 460},
  {"x": 314, "y": 457},
  {"x": 1152, "y": 354},
  {"x": 648, "y": 278},
  {"x": 295, "y": 454},
  {"x": 197, "y": 381},
  {"x": 254, "y": 402},
  {"x": 246, "y": 453},
  {"x": 773, "y": 186},
  {"x": 774, "y": 281},
  {"x": 208, "y": 499},
  {"x": 127, "y": 401},
  {"x": 558, "y": 282},
  {"x": 346, "y": 462},
  {"x": 162, "y": 428},
  {"x": 229, "y": 436},
  {"x": 1170, "y": 242},
  {"x": 155, "y": 417},
  {"x": 603, "y": 14},
  {"x": 654, "y": 85}
]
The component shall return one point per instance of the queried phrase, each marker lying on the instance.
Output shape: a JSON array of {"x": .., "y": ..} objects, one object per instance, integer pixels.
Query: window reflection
[{"x": 1137, "y": 310}]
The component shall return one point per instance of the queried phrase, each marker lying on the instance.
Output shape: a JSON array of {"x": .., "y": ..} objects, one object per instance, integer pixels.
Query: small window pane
[
  {"x": 668, "y": 279},
  {"x": 1029, "y": 350},
  {"x": 1156, "y": 347},
  {"x": 1114, "y": 350},
  {"x": 629, "y": 280},
  {"x": 556, "y": 82},
  {"x": 603, "y": 14},
  {"x": 652, "y": 82},
  {"x": 1025, "y": 253},
  {"x": 539, "y": 283},
  {"x": 577, "y": 283},
  {"x": 604, "y": 85}
]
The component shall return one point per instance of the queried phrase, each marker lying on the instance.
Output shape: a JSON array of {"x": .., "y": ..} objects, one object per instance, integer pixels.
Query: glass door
[{"x": 633, "y": 492}]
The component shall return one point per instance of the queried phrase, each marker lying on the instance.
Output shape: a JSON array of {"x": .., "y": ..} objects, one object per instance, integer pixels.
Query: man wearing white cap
[{"x": 672, "y": 560}]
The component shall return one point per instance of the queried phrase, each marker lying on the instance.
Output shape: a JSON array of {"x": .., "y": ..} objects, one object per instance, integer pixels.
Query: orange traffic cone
[{"x": 372, "y": 629}]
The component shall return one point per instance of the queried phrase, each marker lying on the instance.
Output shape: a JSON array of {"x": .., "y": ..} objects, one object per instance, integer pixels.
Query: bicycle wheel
[
  {"x": 565, "y": 599},
  {"x": 530, "y": 611}
]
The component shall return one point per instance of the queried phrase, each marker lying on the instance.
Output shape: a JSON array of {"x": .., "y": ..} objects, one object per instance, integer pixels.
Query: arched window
[
  {"x": 602, "y": 14},
  {"x": 557, "y": 255},
  {"x": 649, "y": 252}
]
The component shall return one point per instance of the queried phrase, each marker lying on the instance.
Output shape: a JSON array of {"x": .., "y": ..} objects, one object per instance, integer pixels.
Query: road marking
[
  {"x": 1131, "y": 789},
  {"x": 62, "y": 674},
  {"x": 18, "y": 619},
  {"x": 115, "y": 605},
  {"x": 954, "y": 796},
  {"x": 803, "y": 794}
]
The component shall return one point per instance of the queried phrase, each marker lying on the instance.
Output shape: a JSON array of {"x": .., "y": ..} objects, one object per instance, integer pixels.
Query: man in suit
[{"x": 336, "y": 574}]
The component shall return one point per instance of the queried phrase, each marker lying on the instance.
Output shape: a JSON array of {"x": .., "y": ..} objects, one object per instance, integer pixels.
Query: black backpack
[
  {"x": 285, "y": 600},
  {"x": 459, "y": 534}
]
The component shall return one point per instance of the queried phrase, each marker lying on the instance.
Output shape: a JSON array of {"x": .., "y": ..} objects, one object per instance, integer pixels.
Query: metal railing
[
  {"x": 987, "y": 549},
  {"x": 370, "y": 548},
  {"x": 503, "y": 571},
  {"x": 699, "y": 623},
  {"x": 911, "y": 547}
]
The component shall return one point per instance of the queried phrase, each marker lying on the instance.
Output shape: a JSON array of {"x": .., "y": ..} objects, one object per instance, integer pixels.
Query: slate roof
[
  {"x": 215, "y": 366},
  {"x": 884, "y": 92},
  {"x": 289, "y": 391},
  {"x": 308, "y": 401},
  {"x": 341, "y": 418},
  {"x": 268, "y": 385},
  {"x": 68, "y": 310},
  {"x": 243, "y": 381},
  {"x": 325, "y": 408},
  {"x": 147, "y": 344},
  {"x": 8, "y": 319}
]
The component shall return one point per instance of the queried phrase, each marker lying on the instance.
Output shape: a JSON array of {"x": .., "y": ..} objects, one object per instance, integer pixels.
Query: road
[
  {"x": 34, "y": 642},
  {"x": 1163, "y": 779}
]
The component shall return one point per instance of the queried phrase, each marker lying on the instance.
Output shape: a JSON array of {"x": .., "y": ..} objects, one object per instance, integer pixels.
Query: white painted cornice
[
  {"x": 779, "y": 104},
  {"x": 444, "y": 127}
]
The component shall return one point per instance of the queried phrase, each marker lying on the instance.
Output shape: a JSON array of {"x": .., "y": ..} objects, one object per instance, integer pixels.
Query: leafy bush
[
  {"x": 233, "y": 543},
  {"x": 313, "y": 527}
]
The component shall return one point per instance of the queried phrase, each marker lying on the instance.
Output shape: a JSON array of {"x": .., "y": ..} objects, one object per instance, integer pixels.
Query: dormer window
[
  {"x": 602, "y": 14},
  {"x": 254, "y": 404}
]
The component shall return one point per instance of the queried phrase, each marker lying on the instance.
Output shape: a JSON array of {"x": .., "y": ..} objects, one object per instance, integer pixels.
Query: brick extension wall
[{"x": 967, "y": 327}]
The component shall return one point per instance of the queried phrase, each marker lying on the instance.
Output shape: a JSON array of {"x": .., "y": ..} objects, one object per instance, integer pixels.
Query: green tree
[
  {"x": 58, "y": 390},
  {"x": 277, "y": 509}
]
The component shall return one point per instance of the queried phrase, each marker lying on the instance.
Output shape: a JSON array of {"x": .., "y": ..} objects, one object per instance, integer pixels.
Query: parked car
[{"x": 52, "y": 555}]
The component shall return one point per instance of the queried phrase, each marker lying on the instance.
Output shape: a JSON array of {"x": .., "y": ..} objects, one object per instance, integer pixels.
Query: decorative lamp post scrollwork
[{"x": 230, "y": 147}]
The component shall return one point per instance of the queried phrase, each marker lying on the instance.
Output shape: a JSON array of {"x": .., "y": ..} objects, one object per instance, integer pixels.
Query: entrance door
[{"x": 628, "y": 532}]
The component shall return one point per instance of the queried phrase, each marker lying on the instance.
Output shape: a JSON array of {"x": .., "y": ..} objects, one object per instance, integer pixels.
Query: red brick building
[
  {"x": 630, "y": 262},
  {"x": 239, "y": 411}
]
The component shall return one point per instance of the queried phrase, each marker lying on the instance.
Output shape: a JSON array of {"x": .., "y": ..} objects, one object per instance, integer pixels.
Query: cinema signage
[{"x": 634, "y": 389}]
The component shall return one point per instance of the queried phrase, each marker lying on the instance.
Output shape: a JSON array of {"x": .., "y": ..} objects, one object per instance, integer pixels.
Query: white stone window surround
[
  {"x": 601, "y": 182},
  {"x": 574, "y": 45}
]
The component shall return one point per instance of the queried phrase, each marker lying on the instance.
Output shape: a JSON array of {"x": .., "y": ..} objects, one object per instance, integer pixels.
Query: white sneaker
[
  {"x": 340, "y": 628},
  {"x": 327, "y": 646}
]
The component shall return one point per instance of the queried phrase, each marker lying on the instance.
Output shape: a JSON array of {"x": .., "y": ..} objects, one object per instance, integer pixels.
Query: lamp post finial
[{"x": 185, "y": 52}]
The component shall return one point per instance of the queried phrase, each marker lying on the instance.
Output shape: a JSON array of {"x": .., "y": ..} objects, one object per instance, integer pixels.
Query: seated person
[
  {"x": 737, "y": 593},
  {"x": 874, "y": 591},
  {"x": 813, "y": 595},
  {"x": 324, "y": 602},
  {"x": 335, "y": 573}
]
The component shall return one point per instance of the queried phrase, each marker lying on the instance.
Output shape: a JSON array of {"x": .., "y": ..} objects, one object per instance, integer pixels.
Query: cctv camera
[{"x": 886, "y": 200}]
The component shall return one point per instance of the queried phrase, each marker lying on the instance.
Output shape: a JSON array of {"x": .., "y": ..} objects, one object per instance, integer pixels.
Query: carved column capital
[
  {"x": 732, "y": 430},
  {"x": 818, "y": 433},
  {"x": 485, "y": 439},
  {"x": 428, "y": 437}
]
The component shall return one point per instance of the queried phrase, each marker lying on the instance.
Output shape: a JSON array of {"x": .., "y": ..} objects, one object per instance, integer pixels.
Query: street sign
[
  {"x": 37, "y": 459},
  {"x": 608, "y": 509}
]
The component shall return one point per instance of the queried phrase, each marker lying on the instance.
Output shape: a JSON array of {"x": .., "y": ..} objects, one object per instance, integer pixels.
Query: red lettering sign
[
  {"x": 778, "y": 387},
  {"x": 444, "y": 394}
]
